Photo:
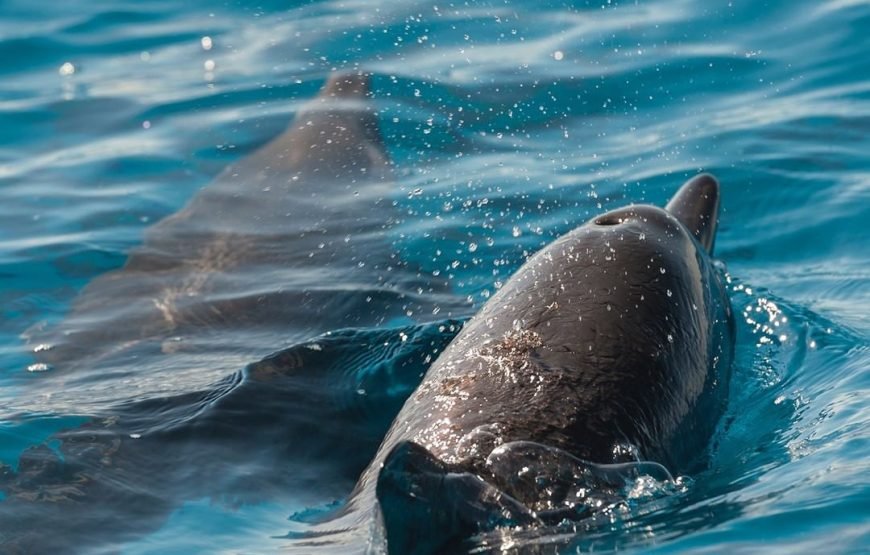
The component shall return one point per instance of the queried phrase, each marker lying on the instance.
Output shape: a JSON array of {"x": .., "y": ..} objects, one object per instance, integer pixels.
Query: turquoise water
[{"x": 509, "y": 124}]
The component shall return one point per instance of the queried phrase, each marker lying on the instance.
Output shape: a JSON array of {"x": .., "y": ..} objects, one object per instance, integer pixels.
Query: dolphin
[
  {"x": 252, "y": 255},
  {"x": 149, "y": 355},
  {"x": 606, "y": 355}
]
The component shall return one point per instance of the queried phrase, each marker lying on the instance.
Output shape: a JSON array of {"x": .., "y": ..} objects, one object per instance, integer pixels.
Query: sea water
[{"x": 509, "y": 123}]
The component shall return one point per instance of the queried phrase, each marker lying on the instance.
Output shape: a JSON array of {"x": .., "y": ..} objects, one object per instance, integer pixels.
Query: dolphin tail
[
  {"x": 427, "y": 508},
  {"x": 696, "y": 205}
]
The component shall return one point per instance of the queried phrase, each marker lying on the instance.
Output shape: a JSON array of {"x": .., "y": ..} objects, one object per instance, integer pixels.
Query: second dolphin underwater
[
  {"x": 145, "y": 371},
  {"x": 606, "y": 355}
]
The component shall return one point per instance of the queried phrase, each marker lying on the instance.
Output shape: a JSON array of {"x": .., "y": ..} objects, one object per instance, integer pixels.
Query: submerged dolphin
[
  {"x": 289, "y": 242},
  {"x": 612, "y": 344}
]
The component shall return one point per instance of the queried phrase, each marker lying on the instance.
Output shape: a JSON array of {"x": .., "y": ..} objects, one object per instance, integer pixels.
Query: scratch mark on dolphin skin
[
  {"x": 219, "y": 255},
  {"x": 165, "y": 308},
  {"x": 513, "y": 344}
]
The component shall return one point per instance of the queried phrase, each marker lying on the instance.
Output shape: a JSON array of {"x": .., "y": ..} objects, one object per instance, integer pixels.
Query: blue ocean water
[{"x": 509, "y": 124}]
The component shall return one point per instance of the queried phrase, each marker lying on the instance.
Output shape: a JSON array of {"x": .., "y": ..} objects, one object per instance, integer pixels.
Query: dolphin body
[
  {"x": 605, "y": 356},
  {"x": 254, "y": 254},
  {"x": 149, "y": 354}
]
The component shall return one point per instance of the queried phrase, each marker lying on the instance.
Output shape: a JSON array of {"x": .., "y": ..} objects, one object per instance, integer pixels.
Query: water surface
[{"x": 509, "y": 123}]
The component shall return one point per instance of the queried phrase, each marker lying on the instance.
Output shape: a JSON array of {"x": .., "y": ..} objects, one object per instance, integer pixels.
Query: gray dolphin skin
[{"x": 608, "y": 352}]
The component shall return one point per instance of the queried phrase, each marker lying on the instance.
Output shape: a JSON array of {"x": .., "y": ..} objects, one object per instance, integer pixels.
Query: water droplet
[
  {"x": 206, "y": 43},
  {"x": 67, "y": 69},
  {"x": 38, "y": 367},
  {"x": 670, "y": 293}
]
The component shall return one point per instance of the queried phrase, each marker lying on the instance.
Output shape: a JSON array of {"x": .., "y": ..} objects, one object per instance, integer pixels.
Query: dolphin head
[
  {"x": 611, "y": 346},
  {"x": 659, "y": 316}
]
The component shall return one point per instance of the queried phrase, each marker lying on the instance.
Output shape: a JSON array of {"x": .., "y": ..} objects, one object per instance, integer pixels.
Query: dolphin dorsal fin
[
  {"x": 347, "y": 85},
  {"x": 696, "y": 205}
]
